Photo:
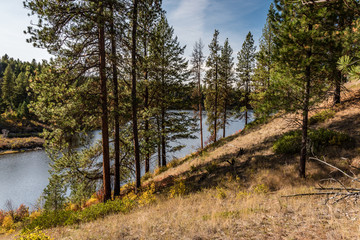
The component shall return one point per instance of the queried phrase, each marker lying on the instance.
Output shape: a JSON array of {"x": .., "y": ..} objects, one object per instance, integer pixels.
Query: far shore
[{"x": 16, "y": 145}]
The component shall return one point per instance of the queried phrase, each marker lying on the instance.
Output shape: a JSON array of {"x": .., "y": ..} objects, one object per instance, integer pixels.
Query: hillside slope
[{"x": 235, "y": 191}]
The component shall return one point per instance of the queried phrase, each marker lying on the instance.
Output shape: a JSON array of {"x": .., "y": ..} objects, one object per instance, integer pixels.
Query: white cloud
[
  {"x": 194, "y": 19},
  {"x": 188, "y": 19}
]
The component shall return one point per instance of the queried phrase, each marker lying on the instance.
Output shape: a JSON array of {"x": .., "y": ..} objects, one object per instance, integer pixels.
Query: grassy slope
[{"x": 244, "y": 200}]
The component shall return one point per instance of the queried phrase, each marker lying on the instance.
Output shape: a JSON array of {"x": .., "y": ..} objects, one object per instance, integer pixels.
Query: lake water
[{"x": 23, "y": 176}]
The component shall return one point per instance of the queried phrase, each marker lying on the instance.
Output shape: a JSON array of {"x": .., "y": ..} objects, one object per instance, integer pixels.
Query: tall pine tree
[
  {"x": 212, "y": 86},
  {"x": 245, "y": 71}
]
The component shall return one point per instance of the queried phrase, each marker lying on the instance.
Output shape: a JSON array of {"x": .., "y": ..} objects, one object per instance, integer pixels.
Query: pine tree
[
  {"x": 149, "y": 14},
  {"x": 298, "y": 77},
  {"x": 347, "y": 64},
  {"x": 134, "y": 101},
  {"x": 212, "y": 83},
  {"x": 262, "y": 71},
  {"x": 245, "y": 70},
  {"x": 75, "y": 33},
  {"x": 226, "y": 80},
  {"x": 7, "y": 88},
  {"x": 169, "y": 74},
  {"x": 197, "y": 62}
]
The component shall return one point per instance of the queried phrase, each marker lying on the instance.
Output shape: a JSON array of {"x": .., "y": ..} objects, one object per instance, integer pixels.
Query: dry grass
[
  {"x": 242, "y": 200},
  {"x": 237, "y": 215}
]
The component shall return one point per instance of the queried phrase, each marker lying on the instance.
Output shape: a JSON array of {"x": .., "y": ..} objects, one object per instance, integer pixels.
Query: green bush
[
  {"x": 322, "y": 137},
  {"x": 319, "y": 139},
  {"x": 64, "y": 217},
  {"x": 50, "y": 219},
  {"x": 322, "y": 116},
  {"x": 289, "y": 143},
  {"x": 211, "y": 167}
]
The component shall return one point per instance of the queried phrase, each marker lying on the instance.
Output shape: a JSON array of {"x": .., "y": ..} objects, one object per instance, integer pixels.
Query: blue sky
[
  {"x": 194, "y": 19},
  {"x": 191, "y": 19}
]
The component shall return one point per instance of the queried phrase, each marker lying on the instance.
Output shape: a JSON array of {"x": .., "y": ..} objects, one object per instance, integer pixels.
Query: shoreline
[
  {"x": 18, "y": 145},
  {"x": 22, "y": 150}
]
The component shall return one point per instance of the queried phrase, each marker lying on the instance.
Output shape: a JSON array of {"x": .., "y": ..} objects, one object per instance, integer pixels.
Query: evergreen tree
[
  {"x": 75, "y": 33},
  {"x": 262, "y": 71},
  {"x": 298, "y": 77},
  {"x": 337, "y": 18},
  {"x": 149, "y": 14},
  {"x": 226, "y": 80},
  {"x": 212, "y": 83},
  {"x": 55, "y": 194},
  {"x": 169, "y": 74},
  {"x": 348, "y": 64},
  {"x": 134, "y": 101},
  {"x": 197, "y": 62},
  {"x": 7, "y": 88},
  {"x": 245, "y": 70}
]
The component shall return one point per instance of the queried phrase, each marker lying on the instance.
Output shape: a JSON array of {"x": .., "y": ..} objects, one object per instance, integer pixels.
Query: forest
[{"x": 118, "y": 66}]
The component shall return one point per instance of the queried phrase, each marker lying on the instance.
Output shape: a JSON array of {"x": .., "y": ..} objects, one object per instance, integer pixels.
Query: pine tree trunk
[
  {"x": 303, "y": 153},
  {"x": 246, "y": 117},
  {"x": 104, "y": 111},
  {"x": 246, "y": 102},
  {"x": 224, "y": 119},
  {"x": 158, "y": 142},
  {"x": 304, "y": 139},
  {"x": 200, "y": 107},
  {"x": 133, "y": 96},
  {"x": 146, "y": 129},
  {"x": 163, "y": 138},
  {"x": 116, "y": 112},
  {"x": 216, "y": 102},
  {"x": 337, "y": 98},
  {"x": 146, "y": 105}
]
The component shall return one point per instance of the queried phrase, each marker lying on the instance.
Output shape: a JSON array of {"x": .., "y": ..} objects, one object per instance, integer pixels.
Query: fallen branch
[
  {"x": 338, "y": 189},
  {"x": 334, "y": 194},
  {"x": 332, "y": 166},
  {"x": 313, "y": 194}
]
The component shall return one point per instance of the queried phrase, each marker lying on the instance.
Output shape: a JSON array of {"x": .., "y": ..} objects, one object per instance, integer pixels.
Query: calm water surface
[{"x": 23, "y": 176}]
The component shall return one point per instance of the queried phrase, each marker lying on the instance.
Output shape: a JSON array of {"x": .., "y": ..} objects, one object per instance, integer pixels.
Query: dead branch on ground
[{"x": 334, "y": 194}]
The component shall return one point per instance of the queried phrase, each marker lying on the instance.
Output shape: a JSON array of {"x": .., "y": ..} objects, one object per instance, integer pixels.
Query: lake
[{"x": 23, "y": 176}]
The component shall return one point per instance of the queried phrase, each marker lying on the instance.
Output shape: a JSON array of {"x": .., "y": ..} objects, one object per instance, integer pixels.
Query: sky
[{"x": 191, "y": 20}]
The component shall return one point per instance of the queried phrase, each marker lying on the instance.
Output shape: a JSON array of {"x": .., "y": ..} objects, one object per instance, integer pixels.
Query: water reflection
[{"x": 23, "y": 176}]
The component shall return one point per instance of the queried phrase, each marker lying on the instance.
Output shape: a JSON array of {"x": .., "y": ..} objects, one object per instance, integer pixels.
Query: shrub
[
  {"x": 324, "y": 137},
  {"x": 91, "y": 201},
  {"x": 193, "y": 169},
  {"x": 21, "y": 213},
  {"x": 174, "y": 163},
  {"x": 220, "y": 193},
  {"x": 48, "y": 219},
  {"x": 211, "y": 167},
  {"x": 178, "y": 189},
  {"x": 146, "y": 176},
  {"x": 261, "y": 188},
  {"x": 147, "y": 197},
  {"x": 65, "y": 217},
  {"x": 34, "y": 215},
  {"x": 8, "y": 223},
  {"x": 160, "y": 170},
  {"x": 35, "y": 234},
  {"x": 322, "y": 116},
  {"x": 290, "y": 142},
  {"x": 2, "y": 216}
]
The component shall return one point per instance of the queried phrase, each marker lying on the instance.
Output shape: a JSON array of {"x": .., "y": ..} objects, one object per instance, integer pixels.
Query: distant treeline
[{"x": 15, "y": 76}]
